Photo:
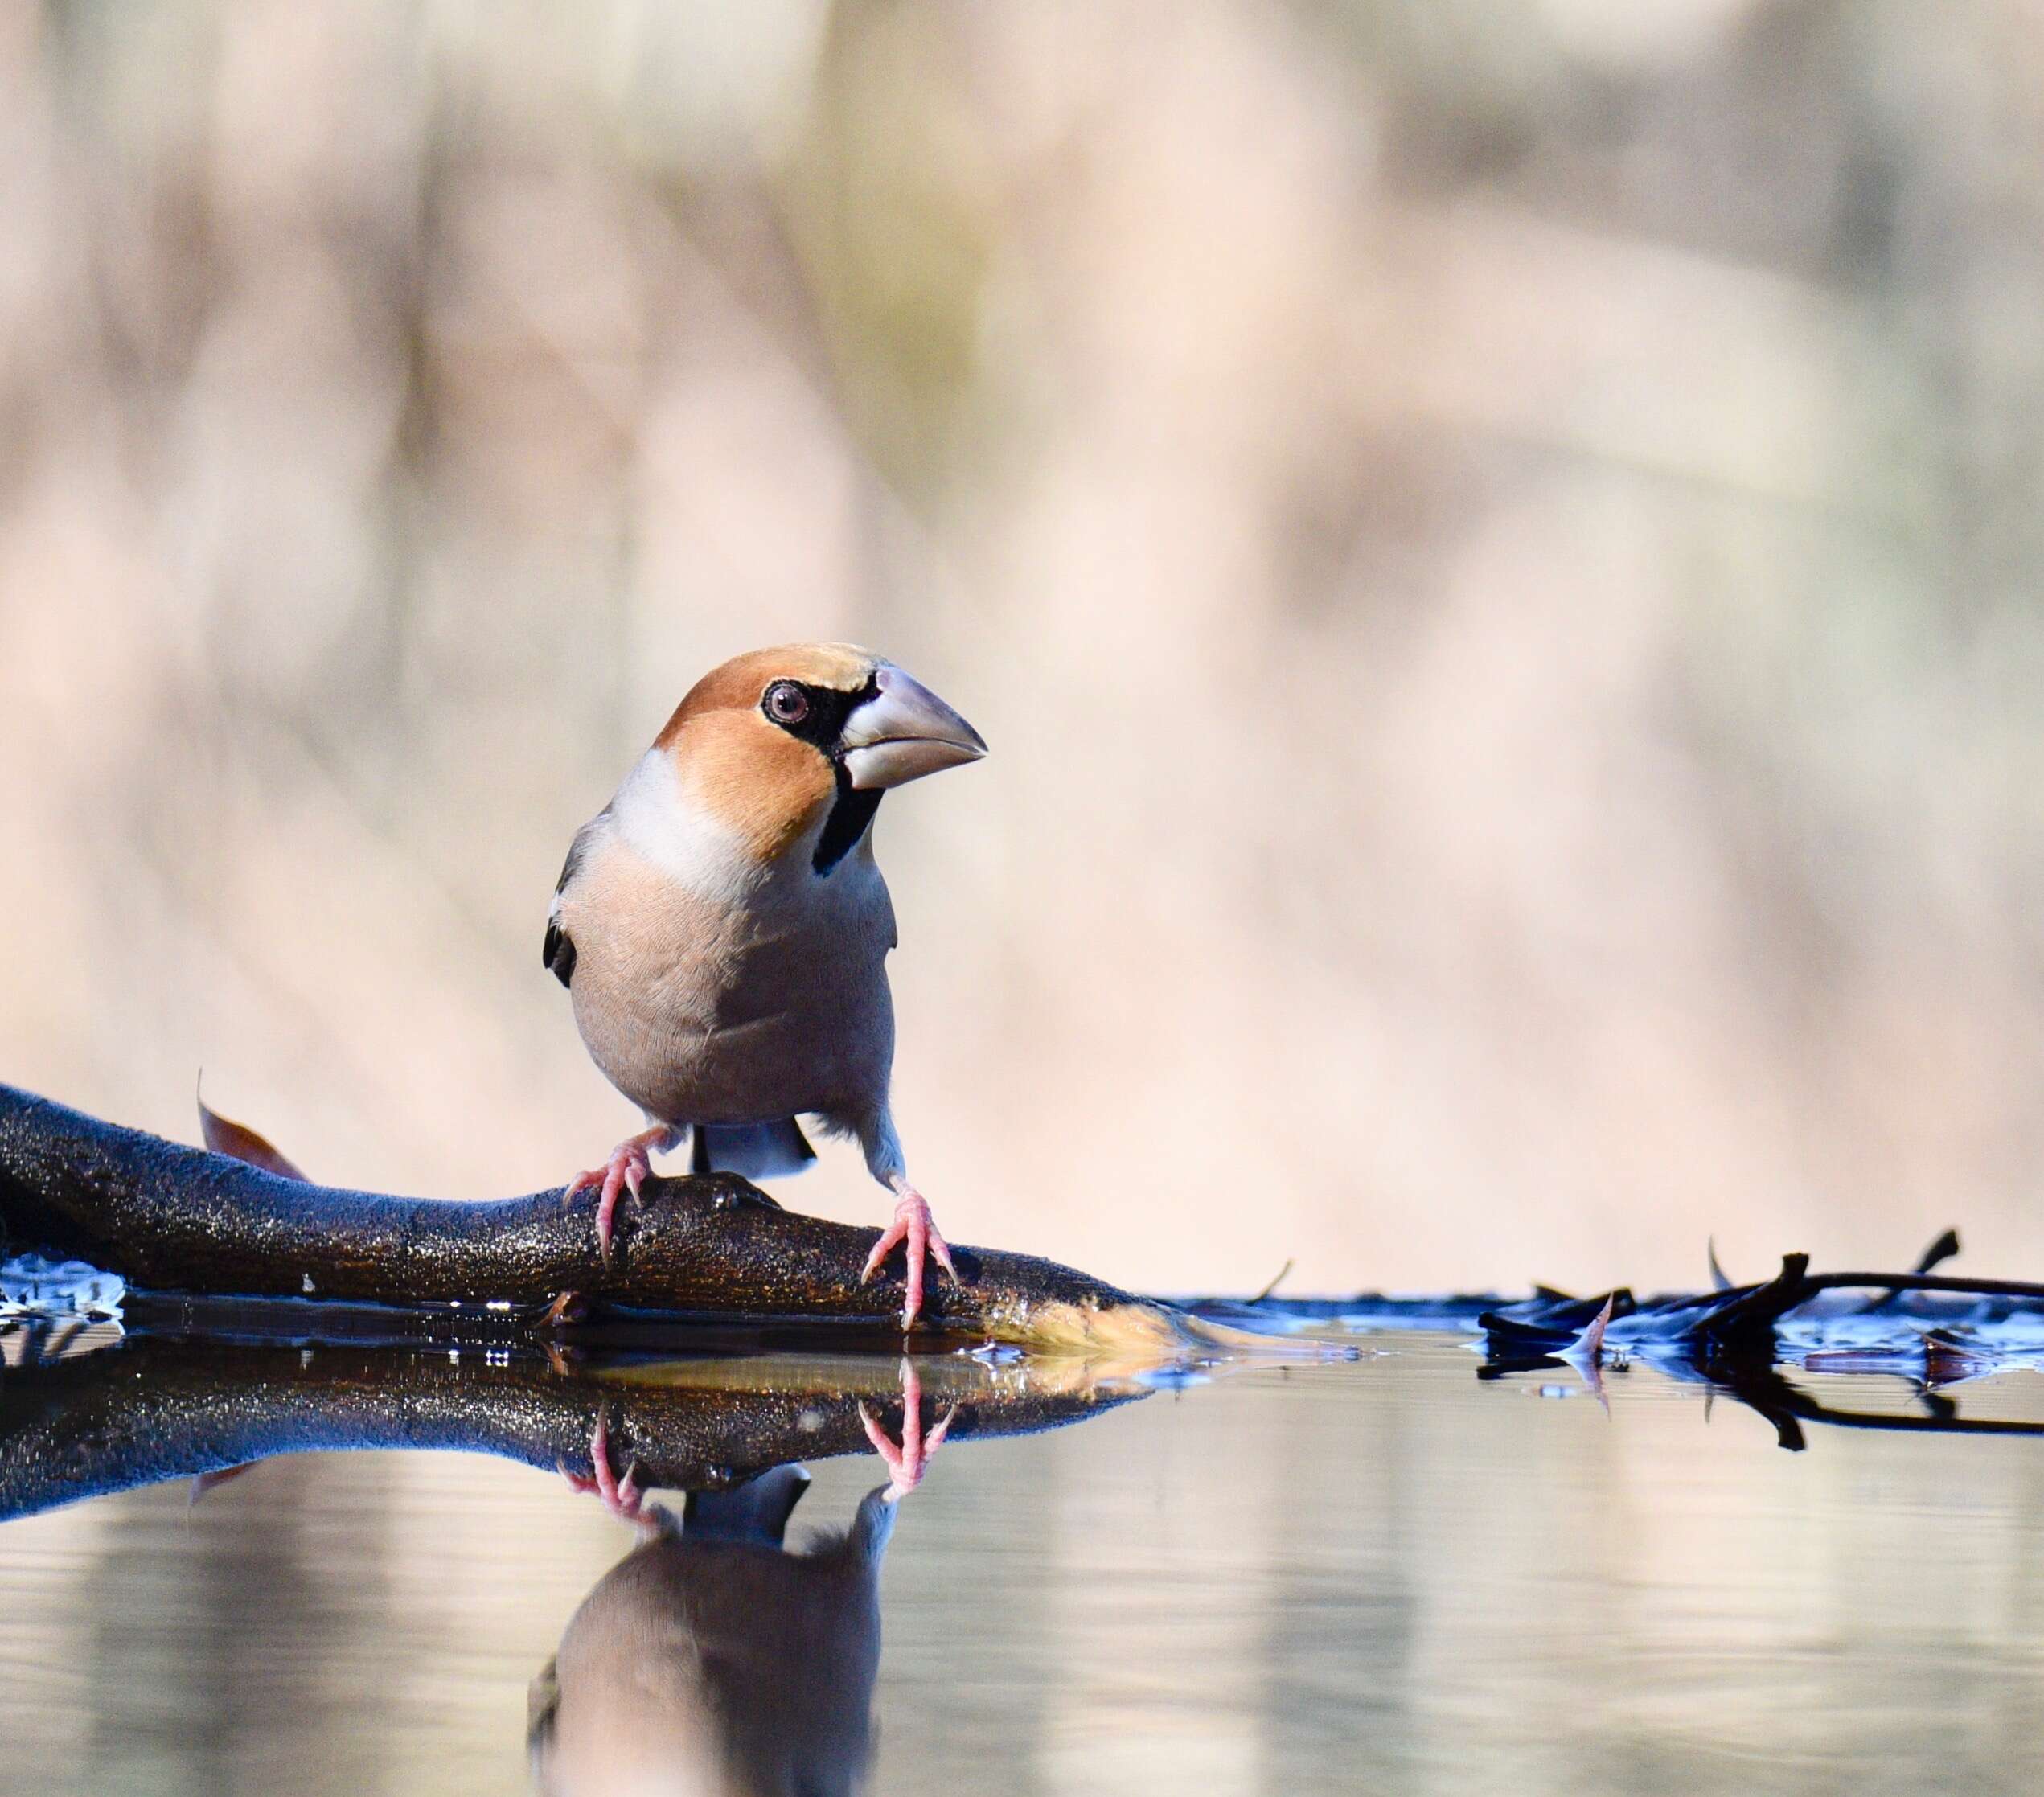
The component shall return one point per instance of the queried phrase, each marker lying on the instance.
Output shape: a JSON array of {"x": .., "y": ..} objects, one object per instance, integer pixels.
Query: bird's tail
[
  {"x": 757, "y": 1151},
  {"x": 758, "y": 1510}
]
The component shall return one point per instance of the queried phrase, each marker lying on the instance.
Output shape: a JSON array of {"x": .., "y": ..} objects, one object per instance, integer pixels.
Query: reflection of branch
[
  {"x": 172, "y": 1219},
  {"x": 149, "y": 1410},
  {"x": 1785, "y": 1405}
]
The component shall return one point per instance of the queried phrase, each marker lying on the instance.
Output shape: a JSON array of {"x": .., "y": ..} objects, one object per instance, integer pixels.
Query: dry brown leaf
[
  {"x": 205, "y": 1482},
  {"x": 238, "y": 1142}
]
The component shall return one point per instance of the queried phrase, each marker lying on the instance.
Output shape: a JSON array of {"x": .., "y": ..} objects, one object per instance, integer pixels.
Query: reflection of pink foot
[
  {"x": 565, "y": 1309},
  {"x": 913, "y": 1225},
  {"x": 905, "y": 1463},
  {"x": 624, "y": 1170},
  {"x": 621, "y": 1497}
]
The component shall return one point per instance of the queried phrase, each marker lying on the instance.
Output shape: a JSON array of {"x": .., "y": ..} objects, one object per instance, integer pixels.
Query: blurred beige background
[{"x": 1495, "y": 543}]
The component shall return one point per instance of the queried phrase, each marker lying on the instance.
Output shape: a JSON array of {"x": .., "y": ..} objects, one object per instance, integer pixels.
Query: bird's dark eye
[{"x": 786, "y": 703}]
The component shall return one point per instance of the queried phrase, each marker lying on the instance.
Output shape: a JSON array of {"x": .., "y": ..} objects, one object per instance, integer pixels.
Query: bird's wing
[
  {"x": 558, "y": 955},
  {"x": 542, "y": 1709}
]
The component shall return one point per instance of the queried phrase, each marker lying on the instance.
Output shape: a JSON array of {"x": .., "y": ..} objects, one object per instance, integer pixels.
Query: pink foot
[
  {"x": 621, "y": 1497},
  {"x": 913, "y": 1225},
  {"x": 905, "y": 1464},
  {"x": 626, "y": 1170}
]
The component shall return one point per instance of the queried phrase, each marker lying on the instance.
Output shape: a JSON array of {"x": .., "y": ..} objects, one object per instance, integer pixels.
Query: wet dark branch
[
  {"x": 168, "y": 1218},
  {"x": 1738, "y": 1320}
]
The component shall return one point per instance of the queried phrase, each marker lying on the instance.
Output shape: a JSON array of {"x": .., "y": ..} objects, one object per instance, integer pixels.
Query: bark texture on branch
[{"x": 169, "y": 1218}]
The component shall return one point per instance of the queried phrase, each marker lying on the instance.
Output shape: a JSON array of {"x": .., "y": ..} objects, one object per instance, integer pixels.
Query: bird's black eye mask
[
  {"x": 816, "y": 716},
  {"x": 812, "y": 714}
]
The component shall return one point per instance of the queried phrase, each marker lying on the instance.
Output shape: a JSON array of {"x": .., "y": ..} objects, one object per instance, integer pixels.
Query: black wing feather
[
  {"x": 558, "y": 955},
  {"x": 558, "y": 952}
]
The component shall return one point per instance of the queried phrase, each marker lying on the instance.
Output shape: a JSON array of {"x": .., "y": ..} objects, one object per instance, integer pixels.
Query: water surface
[{"x": 1381, "y": 1575}]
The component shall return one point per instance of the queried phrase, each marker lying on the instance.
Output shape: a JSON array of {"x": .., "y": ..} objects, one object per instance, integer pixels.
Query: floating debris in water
[
  {"x": 1935, "y": 1330},
  {"x": 34, "y": 1286},
  {"x": 993, "y": 1353}
]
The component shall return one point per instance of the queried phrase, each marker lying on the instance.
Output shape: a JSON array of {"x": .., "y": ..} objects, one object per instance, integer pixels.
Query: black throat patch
[{"x": 851, "y": 814}]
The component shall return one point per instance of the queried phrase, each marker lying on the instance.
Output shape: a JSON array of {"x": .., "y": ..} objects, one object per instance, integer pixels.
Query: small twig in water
[
  {"x": 1586, "y": 1353},
  {"x": 1278, "y": 1280}
]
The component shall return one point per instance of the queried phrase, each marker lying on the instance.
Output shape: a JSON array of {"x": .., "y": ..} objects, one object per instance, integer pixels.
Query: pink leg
[
  {"x": 621, "y": 1497},
  {"x": 913, "y": 1225},
  {"x": 624, "y": 1170},
  {"x": 905, "y": 1464}
]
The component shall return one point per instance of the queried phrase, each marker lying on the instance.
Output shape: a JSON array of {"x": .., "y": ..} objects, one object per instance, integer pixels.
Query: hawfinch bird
[
  {"x": 711, "y": 1659},
  {"x": 723, "y": 929}
]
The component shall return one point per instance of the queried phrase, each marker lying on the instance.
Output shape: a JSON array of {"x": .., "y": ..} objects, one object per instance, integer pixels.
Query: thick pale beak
[{"x": 903, "y": 731}]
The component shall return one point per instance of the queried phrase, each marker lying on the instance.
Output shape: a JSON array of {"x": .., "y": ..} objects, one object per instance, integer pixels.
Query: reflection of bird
[
  {"x": 723, "y": 929},
  {"x": 711, "y": 1660}
]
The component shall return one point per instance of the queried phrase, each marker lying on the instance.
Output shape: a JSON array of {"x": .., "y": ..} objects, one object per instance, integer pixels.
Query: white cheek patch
[{"x": 657, "y": 817}]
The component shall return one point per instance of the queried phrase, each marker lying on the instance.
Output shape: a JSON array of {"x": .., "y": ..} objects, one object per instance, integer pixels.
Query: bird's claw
[
  {"x": 906, "y": 1463},
  {"x": 914, "y": 1225},
  {"x": 627, "y": 1170},
  {"x": 621, "y": 1497}
]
